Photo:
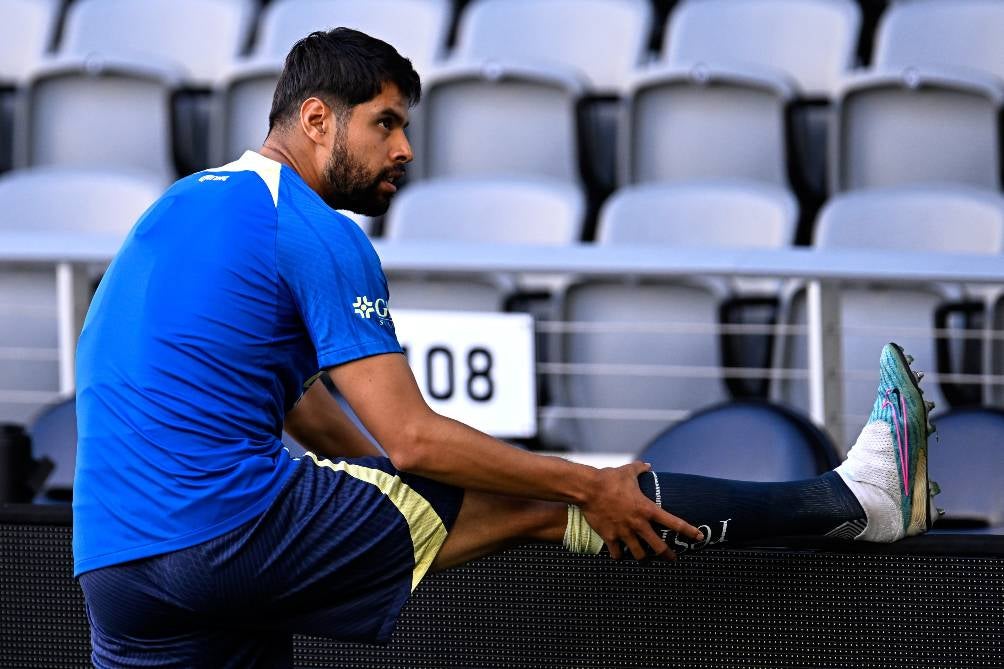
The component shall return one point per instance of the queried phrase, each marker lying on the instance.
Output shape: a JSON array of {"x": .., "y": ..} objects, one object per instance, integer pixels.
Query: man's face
[{"x": 369, "y": 153}]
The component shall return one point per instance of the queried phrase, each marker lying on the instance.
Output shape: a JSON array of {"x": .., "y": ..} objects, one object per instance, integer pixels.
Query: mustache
[{"x": 393, "y": 174}]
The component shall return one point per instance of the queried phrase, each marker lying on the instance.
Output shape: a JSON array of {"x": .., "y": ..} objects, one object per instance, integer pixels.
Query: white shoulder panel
[{"x": 266, "y": 168}]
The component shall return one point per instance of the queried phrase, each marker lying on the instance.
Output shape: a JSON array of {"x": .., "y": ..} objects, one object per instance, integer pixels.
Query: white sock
[{"x": 871, "y": 472}]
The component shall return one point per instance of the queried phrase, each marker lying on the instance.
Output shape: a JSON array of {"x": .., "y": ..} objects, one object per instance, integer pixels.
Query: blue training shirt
[{"x": 233, "y": 289}]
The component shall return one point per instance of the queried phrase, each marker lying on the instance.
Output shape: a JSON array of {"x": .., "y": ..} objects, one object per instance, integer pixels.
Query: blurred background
[{"x": 570, "y": 136}]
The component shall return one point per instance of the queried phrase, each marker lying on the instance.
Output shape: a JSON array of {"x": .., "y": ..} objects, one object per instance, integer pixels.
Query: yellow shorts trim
[{"x": 427, "y": 530}]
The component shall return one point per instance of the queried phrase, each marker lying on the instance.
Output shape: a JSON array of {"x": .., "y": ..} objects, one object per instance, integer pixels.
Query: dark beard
[{"x": 350, "y": 187}]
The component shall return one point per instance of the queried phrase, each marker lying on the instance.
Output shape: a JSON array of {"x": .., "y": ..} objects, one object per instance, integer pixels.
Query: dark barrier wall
[{"x": 936, "y": 601}]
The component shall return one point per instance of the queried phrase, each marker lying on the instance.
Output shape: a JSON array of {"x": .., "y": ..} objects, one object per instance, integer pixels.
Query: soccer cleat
[{"x": 886, "y": 469}]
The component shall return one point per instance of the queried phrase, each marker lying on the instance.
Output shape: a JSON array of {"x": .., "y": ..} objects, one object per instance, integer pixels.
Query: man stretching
[{"x": 199, "y": 541}]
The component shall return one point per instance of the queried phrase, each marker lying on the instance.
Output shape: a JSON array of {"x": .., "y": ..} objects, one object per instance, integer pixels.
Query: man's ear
[{"x": 317, "y": 120}]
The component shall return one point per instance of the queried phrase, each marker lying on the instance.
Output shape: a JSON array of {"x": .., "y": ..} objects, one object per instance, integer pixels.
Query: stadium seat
[
  {"x": 811, "y": 41},
  {"x": 650, "y": 350},
  {"x": 27, "y": 31},
  {"x": 599, "y": 41},
  {"x": 129, "y": 85},
  {"x": 747, "y": 441},
  {"x": 202, "y": 37},
  {"x": 967, "y": 461},
  {"x": 706, "y": 122},
  {"x": 102, "y": 112},
  {"x": 500, "y": 120},
  {"x": 930, "y": 108},
  {"x": 497, "y": 211},
  {"x": 911, "y": 219},
  {"x": 46, "y": 201},
  {"x": 604, "y": 40},
  {"x": 416, "y": 28},
  {"x": 54, "y": 435},
  {"x": 810, "y": 44}
]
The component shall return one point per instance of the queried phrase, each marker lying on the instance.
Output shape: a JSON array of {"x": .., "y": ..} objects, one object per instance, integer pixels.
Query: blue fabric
[
  {"x": 232, "y": 290},
  {"x": 331, "y": 557}
]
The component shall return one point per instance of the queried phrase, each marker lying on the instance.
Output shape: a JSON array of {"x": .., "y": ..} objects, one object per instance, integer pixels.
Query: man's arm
[
  {"x": 320, "y": 425},
  {"x": 382, "y": 391}
]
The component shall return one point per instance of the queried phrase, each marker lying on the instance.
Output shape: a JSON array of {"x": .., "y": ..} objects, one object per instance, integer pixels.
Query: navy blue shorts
[{"x": 336, "y": 555}]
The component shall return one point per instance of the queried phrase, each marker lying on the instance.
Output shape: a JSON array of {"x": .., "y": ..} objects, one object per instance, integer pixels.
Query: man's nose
[{"x": 402, "y": 150}]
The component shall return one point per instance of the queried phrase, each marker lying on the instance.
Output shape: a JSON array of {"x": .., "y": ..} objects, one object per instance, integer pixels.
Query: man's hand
[{"x": 619, "y": 512}]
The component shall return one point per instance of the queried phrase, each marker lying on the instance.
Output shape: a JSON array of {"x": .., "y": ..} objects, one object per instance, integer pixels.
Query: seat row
[
  {"x": 740, "y": 90},
  {"x": 693, "y": 330},
  {"x": 717, "y": 441}
]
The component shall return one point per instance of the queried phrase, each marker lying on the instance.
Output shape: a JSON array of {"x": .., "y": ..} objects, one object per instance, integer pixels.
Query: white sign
[{"x": 477, "y": 368}]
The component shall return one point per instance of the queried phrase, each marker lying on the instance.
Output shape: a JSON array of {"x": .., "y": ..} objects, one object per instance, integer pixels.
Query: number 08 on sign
[{"x": 475, "y": 367}]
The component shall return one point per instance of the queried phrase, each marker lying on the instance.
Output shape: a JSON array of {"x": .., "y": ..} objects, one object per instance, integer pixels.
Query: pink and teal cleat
[{"x": 886, "y": 469}]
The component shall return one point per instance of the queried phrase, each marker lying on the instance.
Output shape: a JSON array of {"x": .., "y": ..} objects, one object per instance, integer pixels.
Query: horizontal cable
[
  {"x": 607, "y": 413},
  {"x": 28, "y": 353},
  {"x": 689, "y": 371},
  {"x": 28, "y": 396}
]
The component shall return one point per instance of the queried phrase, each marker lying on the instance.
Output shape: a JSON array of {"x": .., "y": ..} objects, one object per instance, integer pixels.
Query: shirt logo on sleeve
[
  {"x": 363, "y": 307},
  {"x": 366, "y": 309}
]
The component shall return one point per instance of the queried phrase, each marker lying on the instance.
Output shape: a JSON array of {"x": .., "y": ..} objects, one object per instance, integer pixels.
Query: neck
[{"x": 279, "y": 150}]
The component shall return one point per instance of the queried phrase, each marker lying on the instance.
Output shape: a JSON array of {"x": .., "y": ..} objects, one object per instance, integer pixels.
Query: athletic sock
[
  {"x": 726, "y": 510},
  {"x": 732, "y": 511}
]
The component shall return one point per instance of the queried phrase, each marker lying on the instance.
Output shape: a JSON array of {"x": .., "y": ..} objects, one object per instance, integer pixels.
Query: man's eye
[{"x": 384, "y": 123}]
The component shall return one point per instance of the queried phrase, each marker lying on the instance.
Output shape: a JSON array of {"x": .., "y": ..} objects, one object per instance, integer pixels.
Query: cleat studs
[
  {"x": 909, "y": 358},
  {"x": 931, "y": 429},
  {"x": 933, "y": 488},
  {"x": 919, "y": 376},
  {"x": 929, "y": 405},
  {"x": 941, "y": 512}
]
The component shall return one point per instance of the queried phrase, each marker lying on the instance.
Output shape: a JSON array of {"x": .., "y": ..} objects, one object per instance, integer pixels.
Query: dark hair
[{"x": 343, "y": 67}]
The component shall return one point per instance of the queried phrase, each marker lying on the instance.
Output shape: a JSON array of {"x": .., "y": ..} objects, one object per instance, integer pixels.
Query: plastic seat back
[
  {"x": 488, "y": 210},
  {"x": 54, "y": 435},
  {"x": 602, "y": 39},
  {"x": 812, "y": 41},
  {"x": 27, "y": 28},
  {"x": 204, "y": 37},
  {"x": 967, "y": 461},
  {"x": 416, "y": 28},
  {"x": 961, "y": 33},
  {"x": 748, "y": 441}
]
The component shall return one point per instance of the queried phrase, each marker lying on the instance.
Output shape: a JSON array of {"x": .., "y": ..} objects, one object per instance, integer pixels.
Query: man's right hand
[{"x": 620, "y": 512}]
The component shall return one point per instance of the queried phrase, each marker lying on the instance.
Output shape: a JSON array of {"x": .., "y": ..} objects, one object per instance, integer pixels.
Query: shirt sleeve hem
[{"x": 334, "y": 357}]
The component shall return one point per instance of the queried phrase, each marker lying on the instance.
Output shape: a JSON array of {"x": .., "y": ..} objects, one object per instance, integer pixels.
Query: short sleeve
[{"x": 334, "y": 276}]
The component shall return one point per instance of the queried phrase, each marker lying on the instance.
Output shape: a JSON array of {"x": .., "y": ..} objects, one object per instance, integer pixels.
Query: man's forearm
[{"x": 449, "y": 451}]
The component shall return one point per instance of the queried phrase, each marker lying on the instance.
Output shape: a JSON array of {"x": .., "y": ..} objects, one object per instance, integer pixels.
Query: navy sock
[{"x": 732, "y": 511}]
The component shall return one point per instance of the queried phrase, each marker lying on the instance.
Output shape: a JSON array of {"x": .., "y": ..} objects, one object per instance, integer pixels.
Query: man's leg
[
  {"x": 488, "y": 523},
  {"x": 880, "y": 493}
]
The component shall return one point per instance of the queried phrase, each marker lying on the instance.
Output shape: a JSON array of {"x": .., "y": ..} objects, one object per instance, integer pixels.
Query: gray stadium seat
[
  {"x": 50, "y": 201},
  {"x": 203, "y": 37},
  {"x": 811, "y": 44},
  {"x": 499, "y": 120},
  {"x": 416, "y": 28},
  {"x": 811, "y": 41},
  {"x": 918, "y": 219},
  {"x": 706, "y": 122},
  {"x": 605, "y": 40},
  {"x": 967, "y": 461},
  {"x": 499, "y": 211},
  {"x": 100, "y": 112},
  {"x": 719, "y": 442},
  {"x": 929, "y": 109},
  {"x": 638, "y": 326},
  {"x": 27, "y": 31}
]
